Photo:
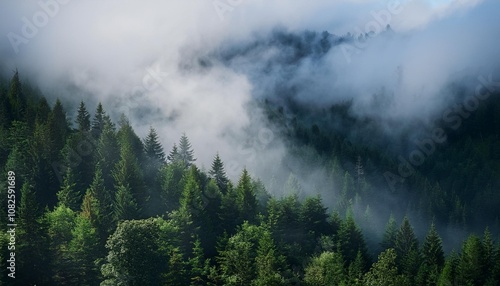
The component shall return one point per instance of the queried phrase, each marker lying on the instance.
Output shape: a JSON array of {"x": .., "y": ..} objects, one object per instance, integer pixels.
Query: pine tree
[
  {"x": 108, "y": 154},
  {"x": 470, "y": 267},
  {"x": 42, "y": 111},
  {"x": 432, "y": 249},
  {"x": 69, "y": 195},
  {"x": 351, "y": 241},
  {"x": 153, "y": 148},
  {"x": 186, "y": 153},
  {"x": 246, "y": 199},
  {"x": 391, "y": 231},
  {"x": 174, "y": 156},
  {"x": 384, "y": 272},
  {"x": 432, "y": 256},
  {"x": 98, "y": 121},
  {"x": 128, "y": 175},
  {"x": 84, "y": 251},
  {"x": 199, "y": 266},
  {"x": 406, "y": 246},
  {"x": 17, "y": 98},
  {"x": 219, "y": 174},
  {"x": 268, "y": 263},
  {"x": 155, "y": 160},
  {"x": 191, "y": 199},
  {"x": 100, "y": 203},
  {"x": 125, "y": 206},
  {"x": 172, "y": 185},
  {"x": 58, "y": 129},
  {"x": 127, "y": 136},
  {"x": 31, "y": 243},
  {"x": 83, "y": 118},
  {"x": 488, "y": 262}
]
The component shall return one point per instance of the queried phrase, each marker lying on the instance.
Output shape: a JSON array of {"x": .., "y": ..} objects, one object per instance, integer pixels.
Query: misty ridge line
[
  {"x": 381, "y": 19},
  {"x": 454, "y": 117},
  {"x": 30, "y": 28}
]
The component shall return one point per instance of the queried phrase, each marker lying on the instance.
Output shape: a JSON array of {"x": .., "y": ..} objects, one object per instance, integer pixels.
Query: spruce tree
[
  {"x": 84, "y": 251},
  {"x": 153, "y": 148},
  {"x": 125, "y": 206},
  {"x": 186, "y": 153},
  {"x": 128, "y": 175},
  {"x": 406, "y": 246},
  {"x": 218, "y": 173},
  {"x": 17, "y": 98},
  {"x": 32, "y": 248},
  {"x": 246, "y": 199},
  {"x": 174, "y": 156},
  {"x": 98, "y": 121},
  {"x": 69, "y": 195},
  {"x": 108, "y": 154},
  {"x": 83, "y": 118},
  {"x": 432, "y": 258},
  {"x": 391, "y": 231}
]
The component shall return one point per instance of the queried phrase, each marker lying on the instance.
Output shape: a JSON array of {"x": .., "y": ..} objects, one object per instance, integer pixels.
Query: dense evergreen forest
[{"x": 97, "y": 205}]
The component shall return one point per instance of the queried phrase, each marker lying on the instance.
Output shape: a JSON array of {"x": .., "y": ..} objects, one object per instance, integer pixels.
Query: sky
[{"x": 142, "y": 60}]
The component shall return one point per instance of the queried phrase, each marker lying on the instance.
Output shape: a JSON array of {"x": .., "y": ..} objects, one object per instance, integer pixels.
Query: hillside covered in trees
[{"x": 97, "y": 205}]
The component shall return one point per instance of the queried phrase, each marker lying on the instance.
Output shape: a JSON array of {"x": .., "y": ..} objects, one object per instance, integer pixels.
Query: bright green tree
[
  {"x": 325, "y": 270},
  {"x": 384, "y": 272},
  {"x": 246, "y": 199},
  {"x": 134, "y": 256}
]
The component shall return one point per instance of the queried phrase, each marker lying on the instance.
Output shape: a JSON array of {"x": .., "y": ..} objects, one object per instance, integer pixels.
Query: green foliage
[
  {"x": 406, "y": 247},
  {"x": 246, "y": 198},
  {"x": 262, "y": 240},
  {"x": 390, "y": 234},
  {"x": 384, "y": 272},
  {"x": 134, "y": 256},
  {"x": 325, "y": 270},
  {"x": 69, "y": 195},
  {"x": 218, "y": 173},
  {"x": 83, "y": 118},
  {"x": 186, "y": 153}
]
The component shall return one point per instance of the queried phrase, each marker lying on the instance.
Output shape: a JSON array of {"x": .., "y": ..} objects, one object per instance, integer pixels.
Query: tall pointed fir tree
[
  {"x": 108, "y": 154},
  {"x": 155, "y": 160},
  {"x": 69, "y": 195},
  {"x": 125, "y": 206},
  {"x": 32, "y": 248},
  {"x": 153, "y": 148},
  {"x": 83, "y": 118},
  {"x": 391, "y": 231},
  {"x": 100, "y": 202},
  {"x": 174, "y": 156},
  {"x": 128, "y": 176},
  {"x": 406, "y": 246},
  {"x": 17, "y": 98},
  {"x": 98, "y": 122},
  {"x": 246, "y": 198},
  {"x": 432, "y": 259},
  {"x": 186, "y": 153},
  {"x": 218, "y": 173}
]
